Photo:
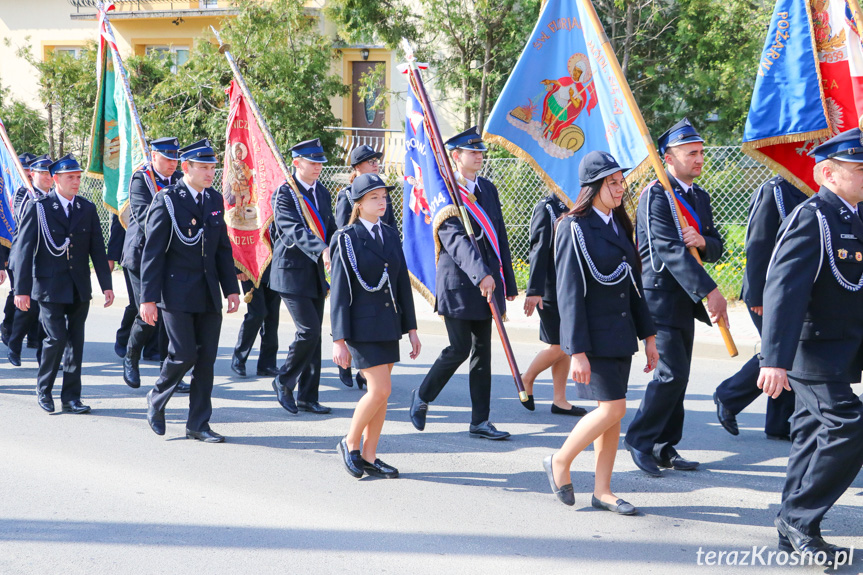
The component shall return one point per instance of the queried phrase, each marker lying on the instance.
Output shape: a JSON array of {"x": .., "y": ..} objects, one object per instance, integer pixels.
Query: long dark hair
[{"x": 584, "y": 205}]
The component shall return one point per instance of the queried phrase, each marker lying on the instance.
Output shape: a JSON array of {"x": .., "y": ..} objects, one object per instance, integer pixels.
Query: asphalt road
[{"x": 100, "y": 493}]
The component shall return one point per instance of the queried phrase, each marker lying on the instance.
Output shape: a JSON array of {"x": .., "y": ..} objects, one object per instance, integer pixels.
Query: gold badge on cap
[
  {"x": 843, "y": 254},
  {"x": 858, "y": 256}
]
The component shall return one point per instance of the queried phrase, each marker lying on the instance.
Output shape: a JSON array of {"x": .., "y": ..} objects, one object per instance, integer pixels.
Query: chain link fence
[{"x": 729, "y": 176}]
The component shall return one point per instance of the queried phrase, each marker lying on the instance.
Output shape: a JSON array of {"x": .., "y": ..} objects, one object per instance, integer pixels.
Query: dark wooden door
[{"x": 363, "y": 116}]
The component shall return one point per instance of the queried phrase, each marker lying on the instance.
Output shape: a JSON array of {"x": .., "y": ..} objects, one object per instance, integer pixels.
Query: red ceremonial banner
[{"x": 251, "y": 175}]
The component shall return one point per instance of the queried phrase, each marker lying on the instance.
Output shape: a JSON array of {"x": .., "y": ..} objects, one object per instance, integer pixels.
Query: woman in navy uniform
[
  {"x": 364, "y": 160},
  {"x": 371, "y": 307},
  {"x": 602, "y": 317},
  {"x": 542, "y": 297}
]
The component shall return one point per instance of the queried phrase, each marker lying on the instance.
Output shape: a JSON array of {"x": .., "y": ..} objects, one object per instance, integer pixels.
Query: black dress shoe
[
  {"x": 674, "y": 461},
  {"x": 564, "y": 493},
  {"x": 75, "y": 407},
  {"x": 727, "y": 420},
  {"x": 155, "y": 418},
  {"x": 238, "y": 366},
  {"x": 346, "y": 377},
  {"x": 780, "y": 437},
  {"x": 419, "y": 409},
  {"x": 644, "y": 461},
  {"x": 487, "y": 430},
  {"x": 352, "y": 459},
  {"x": 119, "y": 350},
  {"x": 4, "y": 334},
  {"x": 574, "y": 410},
  {"x": 314, "y": 407},
  {"x": 183, "y": 387},
  {"x": 207, "y": 436},
  {"x": 32, "y": 344},
  {"x": 14, "y": 358},
  {"x": 131, "y": 374},
  {"x": 530, "y": 404},
  {"x": 803, "y": 543},
  {"x": 380, "y": 469},
  {"x": 620, "y": 507},
  {"x": 267, "y": 372},
  {"x": 45, "y": 402},
  {"x": 285, "y": 397},
  {"x": 361, "y": 380}
]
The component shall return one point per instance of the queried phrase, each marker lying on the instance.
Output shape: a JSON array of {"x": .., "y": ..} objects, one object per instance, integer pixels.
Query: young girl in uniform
[
  {"x": 602, "y": 317},
  {"x": 371, "y": 307}
]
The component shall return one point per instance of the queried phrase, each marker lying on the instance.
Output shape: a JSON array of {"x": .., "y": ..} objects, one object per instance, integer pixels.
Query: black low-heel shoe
[
  {"x": 529, "y": 404},
  {"x": 573, "y": 410},
  {"x": 621, "y": 507},
  {"x": 564, "y": 493},
  {"x": 380, "y": 469},
  {"x": 352, "y": 459}
]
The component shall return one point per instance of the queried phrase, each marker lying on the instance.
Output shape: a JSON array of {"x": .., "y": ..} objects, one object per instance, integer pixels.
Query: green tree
[
  {"x": 67, "y": 93},
  {"x": 24, "y": 125},
  {"x": 286, "y": 63}
]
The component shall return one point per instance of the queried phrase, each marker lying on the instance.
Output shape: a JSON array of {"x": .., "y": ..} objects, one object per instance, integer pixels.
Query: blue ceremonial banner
[
  {"x": 808, "y": 86},
  {"x": 425, "y": 194},
  {"x": 563, "y": 100},
  {"x": 10, "y": 181}
]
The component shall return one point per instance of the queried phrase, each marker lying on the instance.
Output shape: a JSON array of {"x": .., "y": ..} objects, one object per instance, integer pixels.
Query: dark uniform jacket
[
  {"x": 543, "y": 279},
  {"x": 116, "y": 238},
  {"x": 674, "y": 282},
  {"x": 180, "y": 277},
  {"x": 141, "y": 192},
  {"x": 19, "y": 201},
  {"x": 360, "y": 315},
  {"x": 770, "y": 205},
  {"x": 51, "y": 278},
  {"x": 460, "y": 268},
  {"x": 297, "y": 266},
  {"x": 813, "y": 327},
  {"x": 600, "y": 320},
  {"x": 344, "y": 208}
]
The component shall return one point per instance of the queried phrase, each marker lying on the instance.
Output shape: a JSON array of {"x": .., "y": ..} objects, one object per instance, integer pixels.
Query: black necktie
[
  {"x": 611, "y": 225},
  {"x": 69, "y": 210},
  {"x": 200, "y": 201},
  {"x": 376, "y": 235}
]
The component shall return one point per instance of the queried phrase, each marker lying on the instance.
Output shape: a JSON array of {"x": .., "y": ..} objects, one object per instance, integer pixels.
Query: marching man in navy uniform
[
  {"x": 25, "y": 160},
  {"x": 364, "y": 160},
  {"x": 674, "y": 285},
  {"x": 770, "y": 205},
  {"x": 142, "y": 190},
  {"x": 371, "y": 308},
  {"x": 262, "y": 316},
  {"x": 187, "y": 258},
  {"x": 60, "y": 235},
  {"x": 300, "y": 258},
  {"x": 812, "y": 342},
  {"x": 541, "y": 295},
  {"x": 26, "y": 323},
  {"x": 466, "y": 281}
]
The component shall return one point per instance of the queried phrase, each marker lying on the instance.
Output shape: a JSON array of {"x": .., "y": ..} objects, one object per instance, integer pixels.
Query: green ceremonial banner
[{"x": 117, "y": 148}]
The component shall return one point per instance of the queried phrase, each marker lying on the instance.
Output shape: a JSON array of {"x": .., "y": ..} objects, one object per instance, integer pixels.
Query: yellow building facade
[{"x": 172, "y": 26}]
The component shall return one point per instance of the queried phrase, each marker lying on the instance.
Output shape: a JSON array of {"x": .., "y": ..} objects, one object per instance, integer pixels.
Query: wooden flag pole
[
  {"x": 655, "y": 160},
  {"x": 449, "y": 177}
]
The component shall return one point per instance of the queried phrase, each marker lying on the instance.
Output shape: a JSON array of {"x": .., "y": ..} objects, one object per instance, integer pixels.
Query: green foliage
[
  {"x": 24, "y": 126},
  {"x": 67, "y": 93},
  {"x": 286, "y": 64}
]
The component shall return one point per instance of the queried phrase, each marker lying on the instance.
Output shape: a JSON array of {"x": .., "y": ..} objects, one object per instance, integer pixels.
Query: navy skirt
[
  {"x": 366, "y": 354},
  {"x": 609, "y": 379},
  {"x": 549, "y": 322}
]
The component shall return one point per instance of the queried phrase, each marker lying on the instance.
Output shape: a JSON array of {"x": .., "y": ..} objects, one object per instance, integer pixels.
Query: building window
[
  {"x": 179, "y": 55},
  {"x": 74, "y": 51},
  {"x": 209, "y": 4}
]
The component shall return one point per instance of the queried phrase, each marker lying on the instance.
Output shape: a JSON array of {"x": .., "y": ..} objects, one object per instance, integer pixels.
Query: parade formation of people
[{"x": 598, "y": 282}]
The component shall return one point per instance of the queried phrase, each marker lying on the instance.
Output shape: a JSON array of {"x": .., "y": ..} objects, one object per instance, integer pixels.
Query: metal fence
[{"x": 729, "y": 176}]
